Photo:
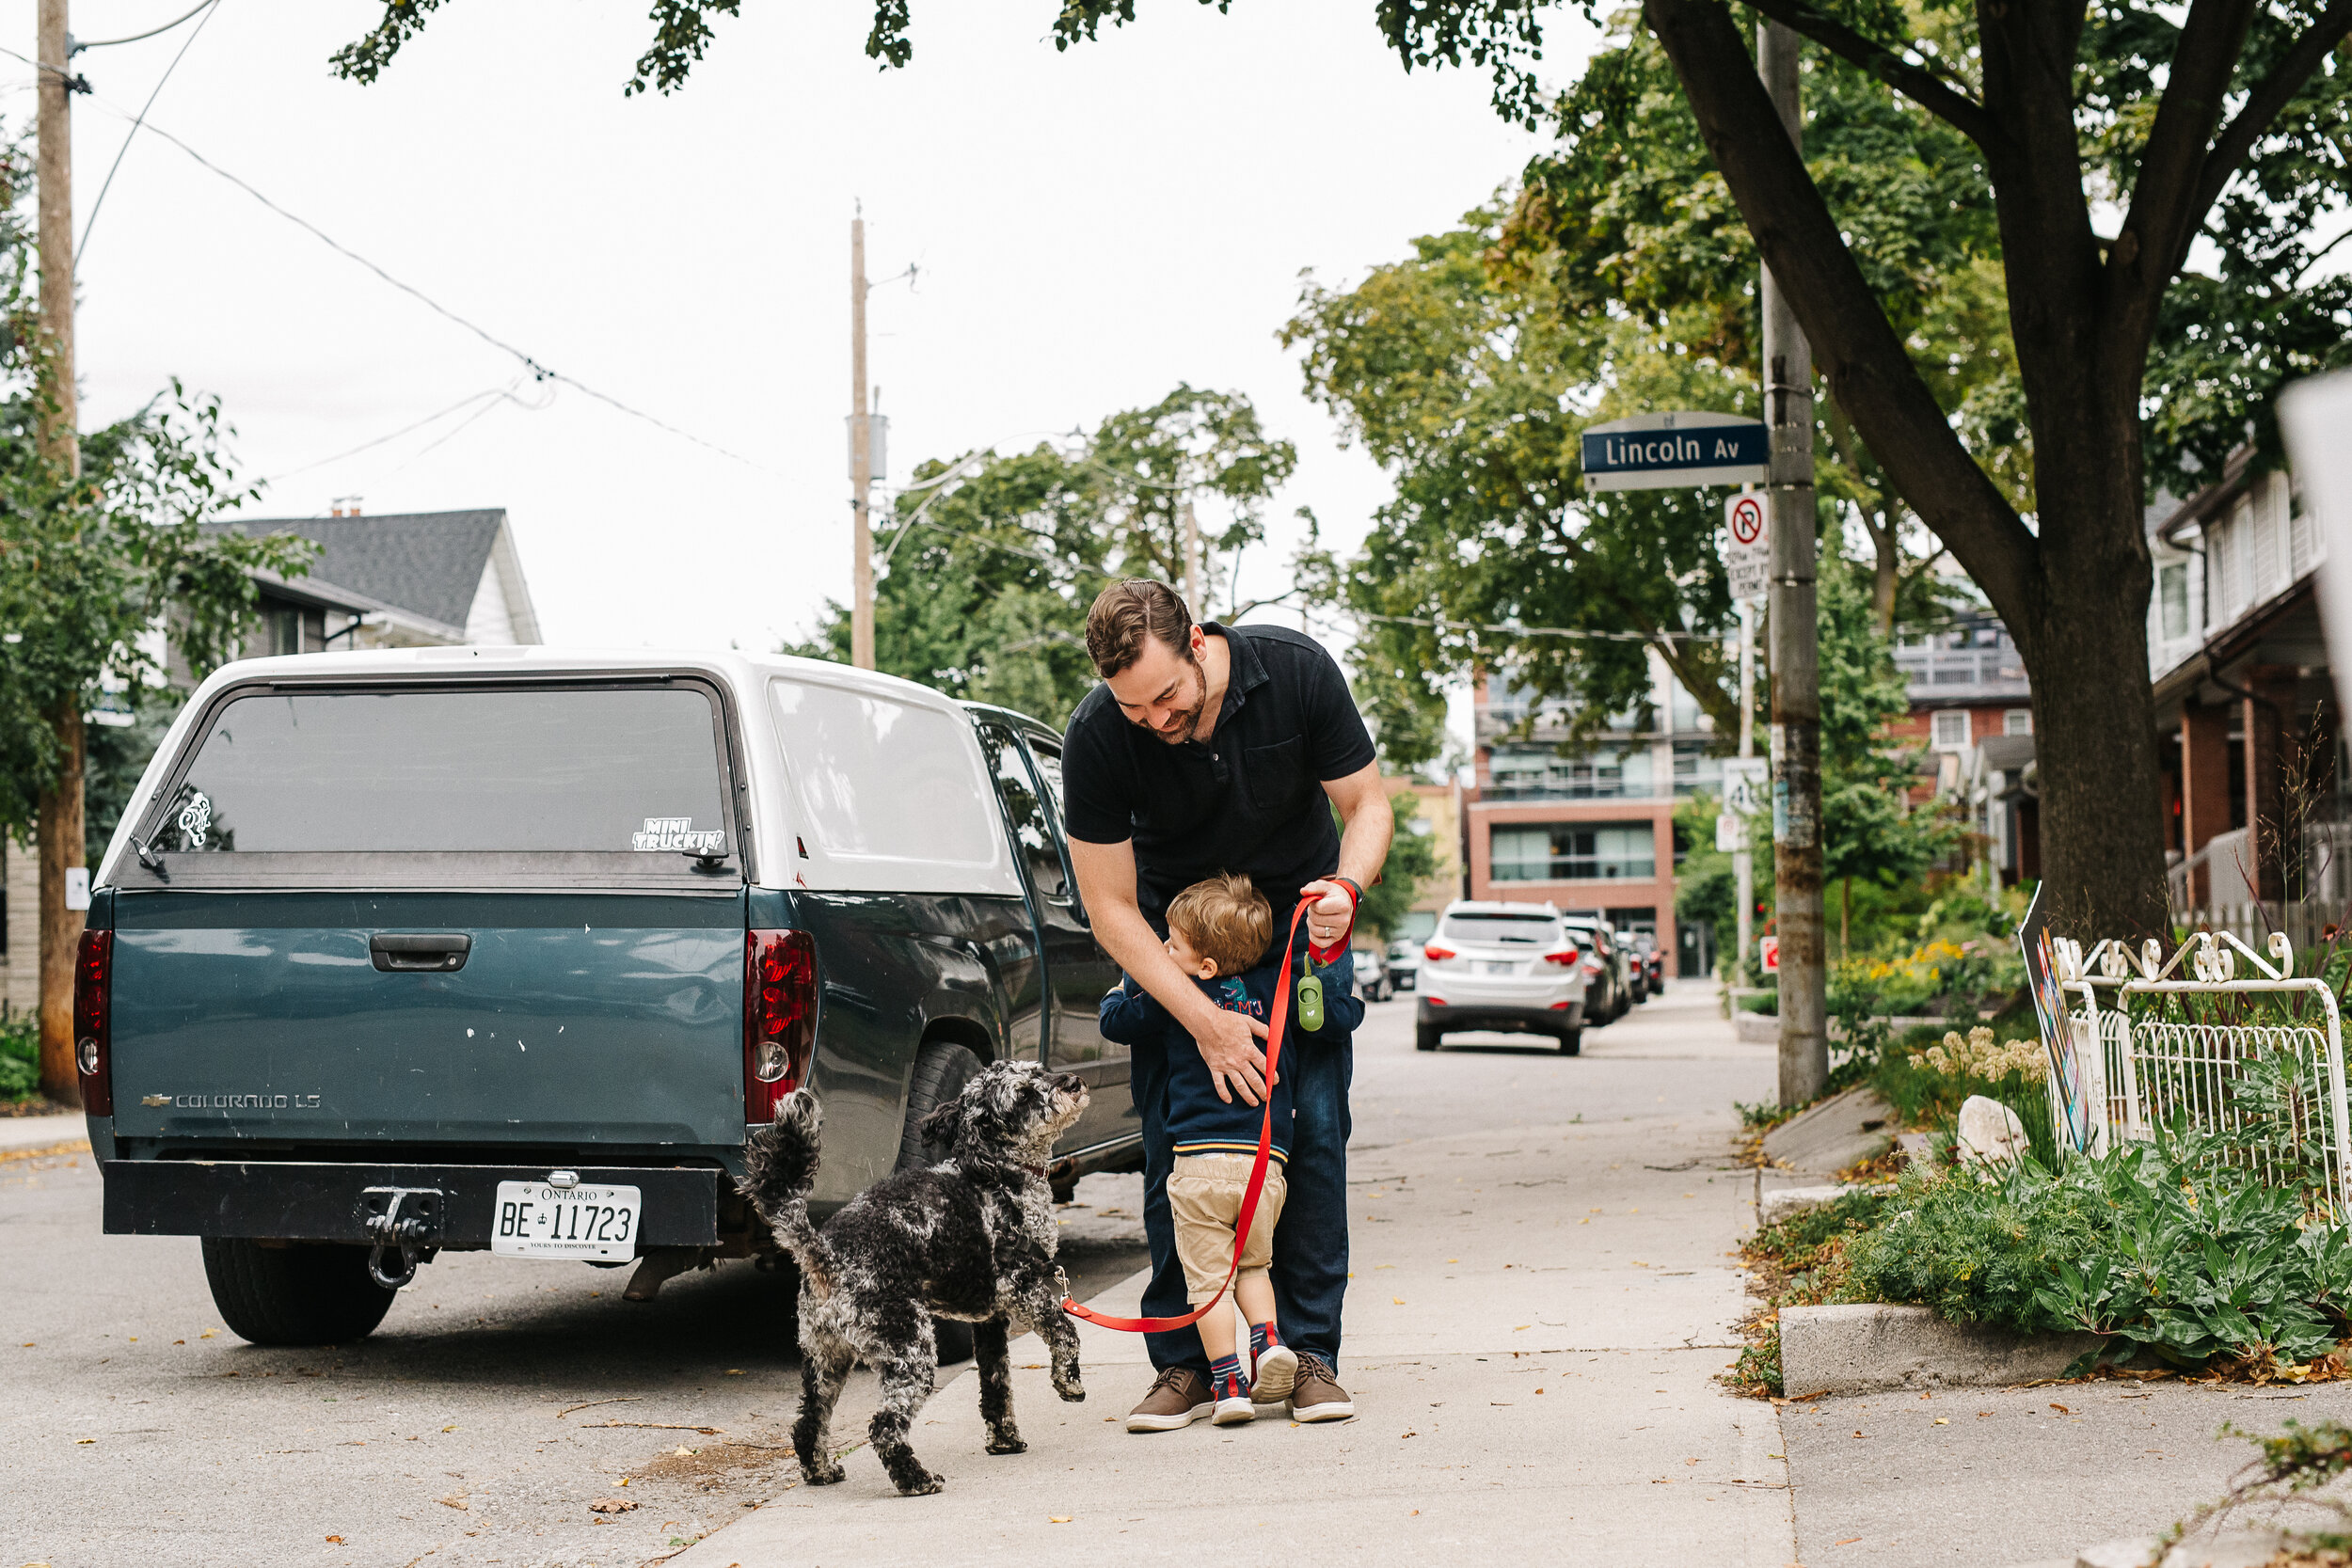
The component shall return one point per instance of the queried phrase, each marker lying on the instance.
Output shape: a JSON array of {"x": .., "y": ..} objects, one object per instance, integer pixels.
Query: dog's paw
[
  {"x": 921, "y": 1484},
  {"x": 1070, "y": 1388},
  {"x": 1007, "y": 1445},
  {"x": 827, "y": 1474}
]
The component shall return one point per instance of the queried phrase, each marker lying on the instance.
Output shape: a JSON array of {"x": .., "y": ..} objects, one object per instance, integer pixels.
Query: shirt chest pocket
[{"x": 1277, "y": 776}]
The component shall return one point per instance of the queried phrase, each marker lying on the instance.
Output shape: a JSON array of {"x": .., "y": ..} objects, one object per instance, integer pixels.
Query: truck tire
[
  {"x": 303, "y": 1294},
  {"x": 1426, "y": 1036},
  {"x": 941, "y": 1069}
]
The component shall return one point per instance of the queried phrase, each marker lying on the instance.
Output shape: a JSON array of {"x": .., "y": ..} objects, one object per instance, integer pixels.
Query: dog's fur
[{"x": 970, "y": 1238}]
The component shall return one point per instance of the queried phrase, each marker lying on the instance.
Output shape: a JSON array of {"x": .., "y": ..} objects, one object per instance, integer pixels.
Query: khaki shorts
[{"x": 1204, "y": 1193}]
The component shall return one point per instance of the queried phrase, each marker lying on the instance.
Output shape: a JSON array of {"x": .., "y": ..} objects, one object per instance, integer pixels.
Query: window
[
  {"x": 1529, "y": 927},
  {"x": 1026, "y": 810},
  {"x": 281, "y": 628},
  {"x": 1948, "y": 730},
  {"x": 2017, "y": 720},
  {"x": 1574, "y": 851},
  {"x": 2172, "y": 596},
  {"x": 441, "y": 771}
]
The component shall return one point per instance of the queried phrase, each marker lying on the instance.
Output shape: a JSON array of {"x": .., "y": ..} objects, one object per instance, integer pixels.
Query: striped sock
[
  {"x": 1260, "y": 1335},
  {"x": 1224, "y": 1370}
]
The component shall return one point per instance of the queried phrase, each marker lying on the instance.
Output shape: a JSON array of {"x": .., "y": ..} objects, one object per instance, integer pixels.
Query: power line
[
  {"x": 76, "y": 45},
  {"x": 1441, "y": 625},
  {"x": 538, "y": 371},
  {"x": 419, "y": 424},
  {"x": 209, "y": 8}
]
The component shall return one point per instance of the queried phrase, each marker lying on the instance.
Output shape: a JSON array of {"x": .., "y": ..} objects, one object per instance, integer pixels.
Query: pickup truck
[{"x": 506, "y": 948}]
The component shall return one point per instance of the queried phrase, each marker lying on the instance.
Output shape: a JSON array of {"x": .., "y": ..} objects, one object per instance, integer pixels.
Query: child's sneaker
[
  {"x": 1277, "y": 1372},
  {"x": 1232, "y": 1401}
]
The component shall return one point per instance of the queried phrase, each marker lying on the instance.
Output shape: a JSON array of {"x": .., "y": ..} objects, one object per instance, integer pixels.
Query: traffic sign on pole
[
  {"x": 1748, "y": 556},
  {"x": 1664, "y": 452}
]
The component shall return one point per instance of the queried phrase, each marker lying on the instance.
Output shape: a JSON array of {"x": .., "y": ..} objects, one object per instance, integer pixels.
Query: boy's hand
[{"x": 1229, "y": 1043}]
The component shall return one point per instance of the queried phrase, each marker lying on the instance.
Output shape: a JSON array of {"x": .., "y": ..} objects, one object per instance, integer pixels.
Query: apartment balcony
[{"x": 1963, "y": 674}]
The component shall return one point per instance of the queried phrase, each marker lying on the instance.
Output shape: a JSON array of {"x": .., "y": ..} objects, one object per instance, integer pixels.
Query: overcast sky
[{"x": 1091, "y": 227}]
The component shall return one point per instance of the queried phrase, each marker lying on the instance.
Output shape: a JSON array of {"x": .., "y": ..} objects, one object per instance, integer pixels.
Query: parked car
[
  {"x": 1652, "y": 958},
  {"x": 1372, "y": 975},
  {"x": 1513, "y": 967},
  {"x": 1636, "y": 972},
  {"x": 1404, "y": 963},
  {"x": 1608, "y": 996},
  {"x": 508, "y": 949}
]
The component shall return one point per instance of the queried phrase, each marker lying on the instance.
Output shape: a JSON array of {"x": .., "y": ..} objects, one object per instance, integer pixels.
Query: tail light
[
  {"x": 93, "y": 966},
  {"x": 1436, "y": 954},
  {"x": 1565, "y": 958},
  {"x": 779, "y": 1017},
  {"x": 1560, "y": 1006},
  {"x": 1437, "y": 1001}
]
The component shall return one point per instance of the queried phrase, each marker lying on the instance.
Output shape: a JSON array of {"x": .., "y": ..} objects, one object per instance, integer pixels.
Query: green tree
[
  {"x": 1413, "y": 860},
  {"x": 984, "y": 574},
  {"x": 2219, "y": 122}
]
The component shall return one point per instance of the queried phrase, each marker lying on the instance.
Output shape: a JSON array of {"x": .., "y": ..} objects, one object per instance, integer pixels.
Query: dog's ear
[{"x": 938, "y": 1129}]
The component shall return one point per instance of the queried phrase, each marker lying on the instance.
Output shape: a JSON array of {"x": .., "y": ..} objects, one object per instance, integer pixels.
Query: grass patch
[
  {"x": 20, "y": 1057},
  {"x": 1801, "y": 1262}
]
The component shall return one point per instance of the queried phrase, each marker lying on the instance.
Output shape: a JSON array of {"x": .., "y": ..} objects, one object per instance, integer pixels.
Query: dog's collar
[{"x": 1038, "y": 1171}]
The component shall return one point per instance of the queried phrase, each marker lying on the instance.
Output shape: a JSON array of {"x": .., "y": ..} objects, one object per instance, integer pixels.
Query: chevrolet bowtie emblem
[{"x": 154, "y": 1099}]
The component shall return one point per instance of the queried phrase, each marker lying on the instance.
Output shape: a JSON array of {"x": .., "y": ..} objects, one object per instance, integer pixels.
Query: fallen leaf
[
  {"x": 1862, "y": 1434},
  {"x": 1399, "y": 1300},
  {"x": 1057, "y": 1518},
  {"x": 179, "y": 1341},
  {"x": 735, "y": 1372},
  {"x": 1540, "y": 1390},
  {"x": 2059, "y": 1408},
  {"x": 610, "y": 1505},
  {"x": 335, "y": 1540},
  {"x": 208, "y": 1334},
  {"x": 1942, "y": 1423},
  {"x": 83, "y": 1442},
  {"x": 1848, "y": 1542},
  {"x": 1690, "y": 1462},
  {"x": 457, "y": 1501},
  {"x": 449, "y": 1429}
]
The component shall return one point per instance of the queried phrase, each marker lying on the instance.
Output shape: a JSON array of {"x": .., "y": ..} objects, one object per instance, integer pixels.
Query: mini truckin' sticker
[
  {"x": 195, "y": 818},
  {"x": 677, "y": 834}
]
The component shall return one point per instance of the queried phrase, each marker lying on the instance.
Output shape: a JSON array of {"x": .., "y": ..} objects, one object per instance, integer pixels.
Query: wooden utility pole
[
  {"x": 1796, "y": 649},
  {"x": 58, "y": 828},
  {"x": 860, "y": 461},
  {"x": 1192, "y": 561}
]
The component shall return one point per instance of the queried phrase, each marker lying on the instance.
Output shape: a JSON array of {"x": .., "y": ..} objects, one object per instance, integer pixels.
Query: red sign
[
  {"x": 1770, "y": 947},
  {"x": 1746, "y": 517}
]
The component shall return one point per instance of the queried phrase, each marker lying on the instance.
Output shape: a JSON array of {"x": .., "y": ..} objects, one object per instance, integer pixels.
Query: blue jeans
[{"x": 1309, "y": 1269}]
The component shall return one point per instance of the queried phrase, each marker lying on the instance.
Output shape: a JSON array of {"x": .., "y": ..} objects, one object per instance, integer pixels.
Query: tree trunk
[
  {"x": 1887, "y": 571},
  {"x": 59, "y": 836}
]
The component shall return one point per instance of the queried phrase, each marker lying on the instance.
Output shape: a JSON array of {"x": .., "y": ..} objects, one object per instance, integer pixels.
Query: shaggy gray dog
[{"x": 971, "y": 1238}]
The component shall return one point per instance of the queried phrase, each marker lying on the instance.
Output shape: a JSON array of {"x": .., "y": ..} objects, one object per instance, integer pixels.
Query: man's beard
[{"x": 1191, "y": 715}]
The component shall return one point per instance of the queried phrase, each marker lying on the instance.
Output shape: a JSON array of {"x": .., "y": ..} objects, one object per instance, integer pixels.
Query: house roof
[{"x": 427, "y": 562}]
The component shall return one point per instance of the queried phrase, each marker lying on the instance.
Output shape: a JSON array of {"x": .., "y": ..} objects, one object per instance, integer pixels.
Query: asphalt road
[{"x": 501, "y": 1399}]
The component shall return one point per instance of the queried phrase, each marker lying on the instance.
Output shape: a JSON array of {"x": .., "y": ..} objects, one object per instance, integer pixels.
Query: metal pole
[
  {"x": 1796, "y": 650},
  {"x": 1743, "y": 864},
  {"x": 860, "y": 461}
]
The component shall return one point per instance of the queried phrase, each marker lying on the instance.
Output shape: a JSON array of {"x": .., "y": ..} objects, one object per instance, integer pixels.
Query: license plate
[
  {"x": 535, "y": 1220},
  {"x": 1505, "y": 968}
]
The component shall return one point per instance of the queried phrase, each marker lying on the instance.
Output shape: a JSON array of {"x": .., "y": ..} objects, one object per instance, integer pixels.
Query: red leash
[{"x": 1257, "y": 1171}]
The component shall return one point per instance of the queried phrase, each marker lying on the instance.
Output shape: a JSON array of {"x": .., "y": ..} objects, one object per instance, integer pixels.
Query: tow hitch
[{"x": 407, "y": 1220}]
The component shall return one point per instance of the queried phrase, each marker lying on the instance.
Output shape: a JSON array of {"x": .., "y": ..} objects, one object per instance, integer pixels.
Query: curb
[{"x": 1870, "y": 1349}]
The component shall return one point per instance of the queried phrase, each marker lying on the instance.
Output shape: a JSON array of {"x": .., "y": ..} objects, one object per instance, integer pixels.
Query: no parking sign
[{"x": 1748, "y": 554}]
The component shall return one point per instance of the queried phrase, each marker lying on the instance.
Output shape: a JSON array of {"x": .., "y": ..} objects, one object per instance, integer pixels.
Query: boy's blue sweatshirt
[{"x": 1197, "y": 1119}]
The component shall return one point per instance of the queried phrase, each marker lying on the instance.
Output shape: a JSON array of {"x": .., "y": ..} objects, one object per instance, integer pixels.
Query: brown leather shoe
[
  {"x": 1179, "y": 1398},
  {"x": 1317, "y": 1395}
]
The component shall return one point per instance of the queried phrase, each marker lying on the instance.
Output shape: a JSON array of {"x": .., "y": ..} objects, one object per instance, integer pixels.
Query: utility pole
[
  {"x": 59, "y": 811},
  {"x": 860, "y": 457},
  {"x": 1796, "y": 648},
  {"x": 1743, "y": 863},
  {"x": 1192, "y": 562}
]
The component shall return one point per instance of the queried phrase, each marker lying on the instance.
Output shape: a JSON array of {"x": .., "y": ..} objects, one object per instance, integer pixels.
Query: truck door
[{"x": 1082, "y": 972}]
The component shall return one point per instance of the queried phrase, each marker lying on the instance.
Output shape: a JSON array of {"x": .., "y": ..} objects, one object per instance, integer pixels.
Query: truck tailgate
[{"x": 575, "y": 1019}]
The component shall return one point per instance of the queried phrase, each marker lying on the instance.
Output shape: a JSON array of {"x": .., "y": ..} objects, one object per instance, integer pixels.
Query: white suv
[{"x": 1512, "y": 967}]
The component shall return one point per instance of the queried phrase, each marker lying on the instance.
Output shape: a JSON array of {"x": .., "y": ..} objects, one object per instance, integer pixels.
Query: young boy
[{"x": 1218, "y": 932}]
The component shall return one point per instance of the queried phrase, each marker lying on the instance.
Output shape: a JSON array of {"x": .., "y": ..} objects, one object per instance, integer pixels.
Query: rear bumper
[
  {"x": 290, "y": 1201},
  {"x": 1500, "y": 1016}
]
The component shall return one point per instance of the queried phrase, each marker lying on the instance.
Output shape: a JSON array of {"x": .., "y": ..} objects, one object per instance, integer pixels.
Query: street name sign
[
  {"x": 1748, "y": 555},
  {"x": 1662, "y": 451},
  {"x": 1743, "y": 796}
]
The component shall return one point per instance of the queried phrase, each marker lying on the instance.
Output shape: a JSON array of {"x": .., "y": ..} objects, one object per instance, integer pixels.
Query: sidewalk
[
  {"x": 43, "y": 1132},
  {"x": 1536, "y": 1321}
]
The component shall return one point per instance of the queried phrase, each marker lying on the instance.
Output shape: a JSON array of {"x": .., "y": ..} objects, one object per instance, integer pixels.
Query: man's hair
[
  {"x": 1227, "y": 920},
  {"x": 1129, "y": 612}
]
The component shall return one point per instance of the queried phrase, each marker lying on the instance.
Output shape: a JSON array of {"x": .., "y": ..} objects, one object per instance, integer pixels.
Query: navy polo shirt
[{"x": 1248, "y": 800}]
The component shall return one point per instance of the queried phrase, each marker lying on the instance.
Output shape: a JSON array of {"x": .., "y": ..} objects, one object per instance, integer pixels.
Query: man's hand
[
  {"x": 1229, "y": 1043},
  {"x": 1333, "y": 914}
]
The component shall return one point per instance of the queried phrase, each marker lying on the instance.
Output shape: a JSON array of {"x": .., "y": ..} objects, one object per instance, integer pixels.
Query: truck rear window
[{"x": 552, "y": 770}]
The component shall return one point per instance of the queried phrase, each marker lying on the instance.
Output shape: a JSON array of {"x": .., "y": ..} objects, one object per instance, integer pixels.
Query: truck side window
[{"x": 1025, "y": 811}]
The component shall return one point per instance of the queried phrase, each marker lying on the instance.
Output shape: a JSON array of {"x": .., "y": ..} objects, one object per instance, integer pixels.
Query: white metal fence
[{"x": 2257, "y": 1061}]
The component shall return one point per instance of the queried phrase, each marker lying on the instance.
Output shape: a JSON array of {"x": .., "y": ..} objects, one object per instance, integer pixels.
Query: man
[{"x": 1213, "y": 749}]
